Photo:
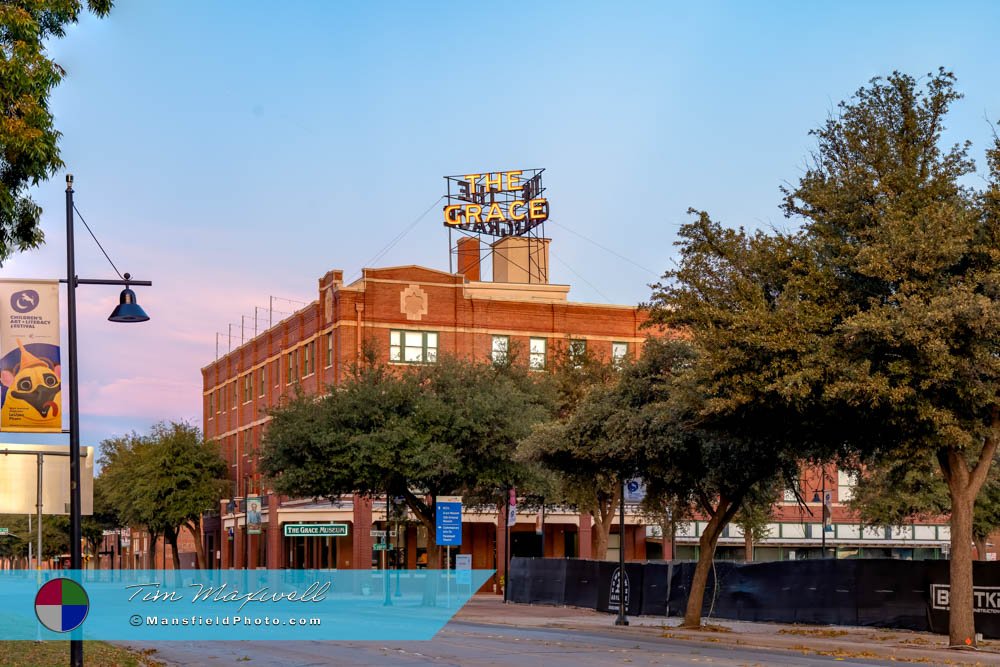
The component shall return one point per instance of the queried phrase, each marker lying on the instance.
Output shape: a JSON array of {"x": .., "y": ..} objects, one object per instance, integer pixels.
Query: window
[
  {"x": 277, "y": 373},
  {"x": 790, "y": 493},
  {"x": 329, "y": 350},
  {"x": 846, "y": 481},
  {"x": 307, "y": 360},
  {"x": 619, "y": 353},
  {"x": 263, "y": 380},
  {"x": 233, "y": 392},
  {"x": 291, "y": 368},
  {"x": 211, "y": 404},
  {"x": 413, "y": 347},
  {"x": 247, "y": 387},
  {"x": 536, "y": 354},
  {"x": 577, "y": 351},
  {"x": 219, "y": 401},
  {"x": 501, "y": 346}
]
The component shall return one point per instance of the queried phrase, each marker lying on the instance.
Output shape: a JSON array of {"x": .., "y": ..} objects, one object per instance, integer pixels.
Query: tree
[
  {"x": 724, "y": 411},
  {"x": 164, "y": 481},
  {"x": 55, "y": 536},
  {"x": 756, "y": 514},
  {"x": 894, "y": 493},
  {"x": 906, "y": 253},
  {"x": 447, "y": 428},
  {"x": 29, "y": 150},
  {"x": 588, "y": 463}
]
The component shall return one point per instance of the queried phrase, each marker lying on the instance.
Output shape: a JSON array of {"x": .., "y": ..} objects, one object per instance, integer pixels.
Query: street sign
[
  {"x": 4, "y": 531},
  {"x": 463, "y": 566},
  {"x": 376, "y": 533},
  {"x": 635, "y": 491},
  {"x": 448, "y": 521},
  {"x": 380, "y": 546},
  {"x": 315, "y": 530}
]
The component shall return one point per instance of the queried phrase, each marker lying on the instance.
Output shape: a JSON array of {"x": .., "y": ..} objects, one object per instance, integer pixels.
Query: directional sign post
[
  {"x": 4, "y": 531},
  {"x": 448, "y": 529}
]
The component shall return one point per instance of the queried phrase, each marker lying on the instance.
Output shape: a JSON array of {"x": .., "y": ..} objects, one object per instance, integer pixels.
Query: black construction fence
[{"x": 886, "y": 593}]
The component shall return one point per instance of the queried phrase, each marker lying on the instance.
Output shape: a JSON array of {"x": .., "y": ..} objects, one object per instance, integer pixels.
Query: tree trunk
[
  {"x": 980, "y": 543},
  {"x": 748, "y": 545},
  {"x": 151, "y": 554},
  {"x": 961, "y": 624},
  {"x": 603, "y": 517},
  {"x": 706, "y": 553},
  {"x": 171, "y": 536},
  {"x": 199, "y": 546},
  {"x": 963, "y": 487}
]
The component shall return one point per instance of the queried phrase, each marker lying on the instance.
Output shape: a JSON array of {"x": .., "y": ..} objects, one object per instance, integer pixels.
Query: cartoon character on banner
[{"x": 32, "y": 388}]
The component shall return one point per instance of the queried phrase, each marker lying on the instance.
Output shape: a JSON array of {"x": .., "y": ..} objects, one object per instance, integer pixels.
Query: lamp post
[
  {"x": 622, "y": 618},
  {"x": 126, "y": 311},
  {"x": 821, "y": 497}
]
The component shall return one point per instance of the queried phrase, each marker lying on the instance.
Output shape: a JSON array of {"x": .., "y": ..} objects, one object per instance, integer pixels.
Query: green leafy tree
[
  {"x": 905, "y": 252},
  {"x": 895, "y": 493},
  {"x": 55, "y": 536},
  {"x": 448, "y": 428},
  {"x": 164, "y": 481},
  {"x": 104, "y": 517},
  {"x": 586, "y": 462},
  {"x": 756, "y": 514},
  {"x": 29, "y": 142},
  {"x": 723, "y": 410}
]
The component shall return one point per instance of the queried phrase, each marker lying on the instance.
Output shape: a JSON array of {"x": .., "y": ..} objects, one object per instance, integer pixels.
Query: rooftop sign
[{"x": 499, "y": 203}]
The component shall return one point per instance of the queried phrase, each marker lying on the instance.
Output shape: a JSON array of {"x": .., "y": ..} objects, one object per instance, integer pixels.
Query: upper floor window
[
  {"x": 536, "y": 354},
  {"x": 577, "y": 351},
  {"x": 413, "y": 347},
  {"x": 307, "y": 359},
  {"x": 619, "y": 353},
  {"x": 293, "y": 367},
  {"x": 247, "y": 387},
  {"x": 501, "y": 347},
  {"x": 211, "y": 404},
  {"x": 233, "y": 392},
  {"x": 263, "y": 380},
  {"x": 846, "y": 481},
  {"x": 329, "y": 350}
]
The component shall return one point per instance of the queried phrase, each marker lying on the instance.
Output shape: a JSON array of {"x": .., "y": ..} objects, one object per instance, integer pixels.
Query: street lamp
[
  {"x": 826, "y": 514},
  {"x": 127, "y": 311}
]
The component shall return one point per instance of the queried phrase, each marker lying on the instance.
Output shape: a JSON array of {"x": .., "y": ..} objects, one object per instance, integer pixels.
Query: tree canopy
[
  {"x": 448, "y": 428},
  {"x": 164, "y": 480},
  {"x": 906, "y": 251},
  {"x": 29, "y": 142}
]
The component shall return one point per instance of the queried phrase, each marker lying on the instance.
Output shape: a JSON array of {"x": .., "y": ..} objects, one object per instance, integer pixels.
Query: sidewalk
[{"x": 837, "y": 641}]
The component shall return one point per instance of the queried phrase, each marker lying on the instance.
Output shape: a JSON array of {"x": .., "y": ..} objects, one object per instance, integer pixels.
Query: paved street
[
  {"x": 474, "y": 644},
  {"x": 488, "y": 632}
]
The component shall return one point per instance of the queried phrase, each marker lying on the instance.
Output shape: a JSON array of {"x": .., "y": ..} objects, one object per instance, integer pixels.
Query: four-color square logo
[{"x": 61, "y": 605}]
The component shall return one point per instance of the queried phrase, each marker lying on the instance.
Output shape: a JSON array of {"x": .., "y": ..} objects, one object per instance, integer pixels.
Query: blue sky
[{"x": 234, "y": 151}]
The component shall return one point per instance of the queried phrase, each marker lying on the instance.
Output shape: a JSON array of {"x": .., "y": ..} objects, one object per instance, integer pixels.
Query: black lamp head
[{"x": 127, "y": 309}]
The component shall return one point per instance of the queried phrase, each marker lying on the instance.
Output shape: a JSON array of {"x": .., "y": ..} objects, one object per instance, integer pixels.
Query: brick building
[
  {"x": 797, "y": 532},
  {"x": 410, "y": 314}
]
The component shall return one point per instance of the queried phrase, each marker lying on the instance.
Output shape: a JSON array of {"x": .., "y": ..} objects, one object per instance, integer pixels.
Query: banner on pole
[
  {"x": 30, "y": 367},
  {"x": 253, "y": 515}
]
